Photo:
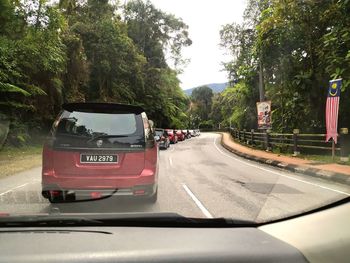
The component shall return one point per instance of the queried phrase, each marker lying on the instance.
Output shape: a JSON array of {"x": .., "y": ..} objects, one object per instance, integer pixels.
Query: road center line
[
  {"x": 171, "y": 161},
  {"x": 279, "y": 174},
  {"x": 14, "y": 188},
  {"x": 197, "y": 202}
]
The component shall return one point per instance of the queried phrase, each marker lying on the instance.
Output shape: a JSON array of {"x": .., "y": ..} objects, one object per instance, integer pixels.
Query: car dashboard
[{"x": 323, "y": 236}]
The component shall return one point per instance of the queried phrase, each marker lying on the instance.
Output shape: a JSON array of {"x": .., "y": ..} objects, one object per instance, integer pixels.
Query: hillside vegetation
[
  {"x": 94, "y": 50},
  {"x": 301, "y": 45}
]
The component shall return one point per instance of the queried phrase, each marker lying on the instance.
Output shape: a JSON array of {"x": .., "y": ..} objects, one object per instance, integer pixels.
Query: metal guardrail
[{"x": 295, "y": 141}]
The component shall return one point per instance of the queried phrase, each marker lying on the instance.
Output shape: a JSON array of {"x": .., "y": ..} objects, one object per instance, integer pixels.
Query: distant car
[
  {"x": 172, "y": 136},
  {"x": 193, "y": 133},
  {"x": 95, "y": 149},
  {"x": 180, "y": 135},
  {"x": 162, "y": 138},
  {"x": 186, "y": 133},
  {"x": 198, "y": 132}
]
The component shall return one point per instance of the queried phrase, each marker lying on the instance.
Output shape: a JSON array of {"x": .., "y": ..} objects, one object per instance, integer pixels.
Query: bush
[{"x": 18, "y": 134}]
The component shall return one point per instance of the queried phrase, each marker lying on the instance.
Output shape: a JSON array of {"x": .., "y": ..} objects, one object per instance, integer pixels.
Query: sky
[{"x": 205, "y": 19}]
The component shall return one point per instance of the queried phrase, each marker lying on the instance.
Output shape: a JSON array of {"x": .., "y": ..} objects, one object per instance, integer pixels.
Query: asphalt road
[{"x": 198, "y": 178}]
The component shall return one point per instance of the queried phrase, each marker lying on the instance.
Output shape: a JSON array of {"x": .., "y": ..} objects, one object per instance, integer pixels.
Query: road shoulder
[{"x": 334, "y": 172}]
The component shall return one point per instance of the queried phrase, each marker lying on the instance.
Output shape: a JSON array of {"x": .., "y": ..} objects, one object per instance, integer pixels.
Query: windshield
[{"x": 203, "y": 109}]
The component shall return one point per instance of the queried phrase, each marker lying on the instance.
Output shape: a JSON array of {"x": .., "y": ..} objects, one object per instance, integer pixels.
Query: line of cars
[{"x": 165, "y": 137}]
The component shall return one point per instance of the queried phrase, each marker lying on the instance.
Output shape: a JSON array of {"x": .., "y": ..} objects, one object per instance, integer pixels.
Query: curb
[{"x": 334, "y": 177}]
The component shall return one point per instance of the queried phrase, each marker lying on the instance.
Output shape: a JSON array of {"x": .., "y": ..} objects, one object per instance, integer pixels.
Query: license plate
[{"x": 98, "y": 158}]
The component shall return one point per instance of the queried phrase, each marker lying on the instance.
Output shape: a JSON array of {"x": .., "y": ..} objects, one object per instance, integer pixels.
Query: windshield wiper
[
  {"x": 72, "y": 135},
  {"x": 106, "y": 136},
  {"x": 48, "y": 221},
  {"x": 129, "y": 220}
]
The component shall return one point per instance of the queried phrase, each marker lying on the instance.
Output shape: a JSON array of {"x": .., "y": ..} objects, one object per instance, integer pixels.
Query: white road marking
[
  {"x": 197, "y": 202},
  {"x": 172, "y": 149},
  {"x": 279, "y": 174},
  {"x": 14, "y": 188},
  {"x": 171, "y": 161}
]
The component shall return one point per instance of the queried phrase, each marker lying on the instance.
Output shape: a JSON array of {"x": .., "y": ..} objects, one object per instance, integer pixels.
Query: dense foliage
[
  {"x": 301, "y": 45},
  {"x": 53, "y": 52}
]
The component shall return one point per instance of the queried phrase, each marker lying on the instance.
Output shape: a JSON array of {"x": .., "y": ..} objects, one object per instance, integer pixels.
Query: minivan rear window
[
  {"x": 93, "y": 124},
  {"x": 81, "y": 129}
]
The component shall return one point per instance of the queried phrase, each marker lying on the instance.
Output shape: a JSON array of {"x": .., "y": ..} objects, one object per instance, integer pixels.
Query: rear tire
[
  {"x": 153, "y": 198},
  {"x": 54, "y": 200}
]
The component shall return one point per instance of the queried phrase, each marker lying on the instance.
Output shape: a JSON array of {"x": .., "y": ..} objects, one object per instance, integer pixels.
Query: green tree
[
  {"x": 69, "y": 50},
  {"x": 156, "y": 34},
  {"x": 298, "y": 44},
  {"x": 202, "y": 97},
  {"x": 31, "y": 60},
  {"x": 115, "y": 64}
]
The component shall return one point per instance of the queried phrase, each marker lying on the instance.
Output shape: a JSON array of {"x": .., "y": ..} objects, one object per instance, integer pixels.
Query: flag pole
[{"x": 333, "y": 149}]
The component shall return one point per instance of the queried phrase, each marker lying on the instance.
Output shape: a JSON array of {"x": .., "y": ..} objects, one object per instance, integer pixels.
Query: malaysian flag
[{"x": 332, "y": 108}]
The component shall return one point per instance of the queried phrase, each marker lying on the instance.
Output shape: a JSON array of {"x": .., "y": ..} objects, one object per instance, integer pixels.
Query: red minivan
[{"x": 100, "y": 149}]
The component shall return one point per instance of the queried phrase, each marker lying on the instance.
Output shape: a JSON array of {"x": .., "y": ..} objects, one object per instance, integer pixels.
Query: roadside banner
[
  {"x": 264, "y": 114},
  {"x": 332, "y": 108}
]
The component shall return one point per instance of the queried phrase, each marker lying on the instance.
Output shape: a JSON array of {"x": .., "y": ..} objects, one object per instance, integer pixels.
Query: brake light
[
  {"x": 48, "y": 172},
  {"x": 4, "y": 214},
  {"x": 55, "y": 193},
  {"x": 139, "y": 192},
  {"x": 95, "y": 195}
]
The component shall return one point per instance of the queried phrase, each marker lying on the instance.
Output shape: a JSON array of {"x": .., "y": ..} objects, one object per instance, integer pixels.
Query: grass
[
  {"x": 322, "y": 158},
  {"x": 14, "y": 160}
]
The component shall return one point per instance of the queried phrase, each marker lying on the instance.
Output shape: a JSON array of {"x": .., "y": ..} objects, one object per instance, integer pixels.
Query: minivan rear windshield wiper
[
  {"x": 106, "y": 136},
  {"x": 72, "y": 135}
]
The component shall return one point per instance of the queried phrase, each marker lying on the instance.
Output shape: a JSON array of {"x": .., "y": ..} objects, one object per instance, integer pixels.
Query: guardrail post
[
  {"x": 295, "y": 142},
  {"x": 252, "y": 136},
  {"x": 267, "y": 141},
  {"x": 244, "y": 141},
  {"x": 344, "y": 145}
]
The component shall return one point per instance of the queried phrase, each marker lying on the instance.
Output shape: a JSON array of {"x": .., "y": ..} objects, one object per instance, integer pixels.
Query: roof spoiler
[{"x": 108, "y": 107}]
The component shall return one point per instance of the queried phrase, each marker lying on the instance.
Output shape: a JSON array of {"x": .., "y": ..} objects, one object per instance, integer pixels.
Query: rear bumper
[
  {"x": 162, "y": 145},
  {"x": 86, "y": 194},
  {"x": 173, "y": 139},
  {"x": 87, "y": 182}
]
